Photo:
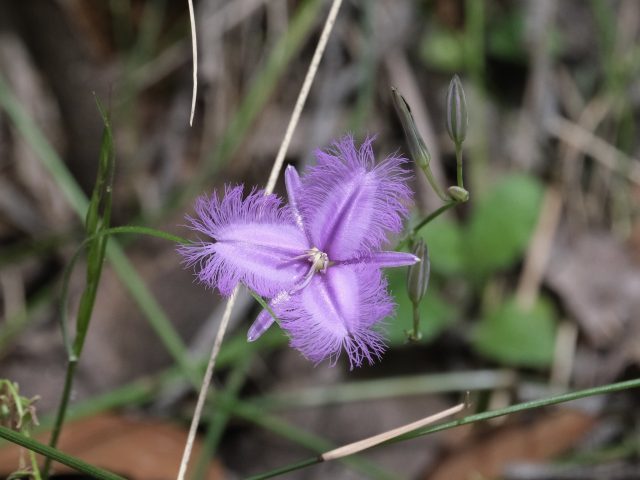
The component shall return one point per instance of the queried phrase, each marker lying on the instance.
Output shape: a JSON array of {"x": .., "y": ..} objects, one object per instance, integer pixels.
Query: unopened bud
[
  {"x": 418, "y": 274},
  {"x": 459, "y": 194},
  {"x": 417, "y": 147},
  {"x": 457, "y": 118}
]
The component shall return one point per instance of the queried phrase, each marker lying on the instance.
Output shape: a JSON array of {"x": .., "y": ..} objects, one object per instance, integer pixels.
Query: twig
[
  {"x": 194, "y": 49},
  {"x": 603, "y": 152},
  {"x": 275, "y": 172},
  {"x": 539, "y": 249},
  {"x": 302, "y": 96},
  {"x": 202, "y": 396},
  {"x": 355, "y": 447}
]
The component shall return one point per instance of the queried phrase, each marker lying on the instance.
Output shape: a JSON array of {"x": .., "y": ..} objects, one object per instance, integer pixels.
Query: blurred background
[{"x": 535, "y": 285}]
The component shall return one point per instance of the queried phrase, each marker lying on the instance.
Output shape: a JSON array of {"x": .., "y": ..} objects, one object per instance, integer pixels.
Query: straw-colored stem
[
  {"x": 202, "y": 396},
  {"x": 275, "y": 172},
  {"x": 194, "y": 50},
  {"x": 355, "y": 447}
]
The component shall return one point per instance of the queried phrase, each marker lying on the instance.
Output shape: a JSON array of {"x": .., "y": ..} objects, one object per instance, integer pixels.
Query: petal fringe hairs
[{"x": 317, "y": 258}]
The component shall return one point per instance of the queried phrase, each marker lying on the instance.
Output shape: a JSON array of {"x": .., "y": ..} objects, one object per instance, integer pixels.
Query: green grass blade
[
  {"x": 544, "y": 402},
  {"x": 57, "y": 455},
  {"x": 78, "y": 201}
]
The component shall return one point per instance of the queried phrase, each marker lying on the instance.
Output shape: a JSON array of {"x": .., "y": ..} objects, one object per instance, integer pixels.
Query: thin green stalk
[
  {"x": 140, "y": 230},
  {"x": 306, "y": 439},
  {"x": 429, "y": 218},
  {"x": 57, "y": 455},
  {"x": 544, "y": 402},
  {"x": 554, "y": 400},
  {"x": 459, "y": 165},
  {"x": 75, "y": 197},
  {"x": 426, "y": 169},
  {"x": 97, "y": 218},
  {"x": 287, "y": 469},
  {"x": 61, "y": 414},
  {"x": 415, "y": 336}
]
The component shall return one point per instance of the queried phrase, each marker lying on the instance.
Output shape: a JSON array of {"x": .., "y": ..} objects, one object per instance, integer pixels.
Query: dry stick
[
  {"x": 302, "y": 97},
  {"x": 356, "y": 447},
  {"x": 603, "y": 152},
  {"x": 194, "y": 49},
  {"x": 539, "y": 249},
  {"x": 275, "y": 171},
  {"x": 202, "y": 396}
]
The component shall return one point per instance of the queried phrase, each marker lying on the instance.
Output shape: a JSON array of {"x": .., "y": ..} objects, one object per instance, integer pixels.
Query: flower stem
[
  {"x": 72, "y": 363},
  {"x": 415, "y": 335},
  {"x": 432, "y": 216},
  {"x": 459, "y": 165},
  {"x": 426, "y": 169}
]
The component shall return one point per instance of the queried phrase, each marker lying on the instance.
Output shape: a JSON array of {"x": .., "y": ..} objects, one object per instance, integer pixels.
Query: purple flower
[{"x": 319, "y": 258}]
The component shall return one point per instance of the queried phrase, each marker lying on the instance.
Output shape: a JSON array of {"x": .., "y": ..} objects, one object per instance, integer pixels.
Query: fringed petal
[
  {"x": 339, "y": 310},
  {"x": 350, "y": 204},
  {"x": 252, "y": 240}
]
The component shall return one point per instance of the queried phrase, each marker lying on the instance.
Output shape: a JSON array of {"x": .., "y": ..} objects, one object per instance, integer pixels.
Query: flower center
[
  {"x": 319, "y": 263},
  {"x": 319, "y": 260}
]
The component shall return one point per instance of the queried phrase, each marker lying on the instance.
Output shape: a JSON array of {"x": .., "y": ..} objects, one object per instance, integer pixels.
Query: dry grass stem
[
  {"x": 202, "y": 396},
  {"x": 302, "y": 96},
  {"x": 194, "y": 49},
  {"x": 356, "y": 447},
  {"x": 603, "y": 152},
  {"x": 539, "y": 248},
  {"x": 275, "y": 172}
]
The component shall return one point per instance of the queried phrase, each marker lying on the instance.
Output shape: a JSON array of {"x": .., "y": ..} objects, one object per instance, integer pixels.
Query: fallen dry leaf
[{"x": 138, "y": 449}]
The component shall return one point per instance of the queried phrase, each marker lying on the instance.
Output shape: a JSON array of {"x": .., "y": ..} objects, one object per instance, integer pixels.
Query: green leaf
[
  {"x": 517, "y": 336},
  {"x": 502, "y": 224},
  {"x": 436, "y": 313},
  {"x": 443, "y": 49},
  {"x": 444, "y": 240}
]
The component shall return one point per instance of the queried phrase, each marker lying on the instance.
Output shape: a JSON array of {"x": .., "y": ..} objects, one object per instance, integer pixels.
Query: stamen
[{"x": 319, "y": 263}]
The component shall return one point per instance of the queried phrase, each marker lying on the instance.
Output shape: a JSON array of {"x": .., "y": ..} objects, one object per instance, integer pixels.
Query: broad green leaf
[
  {"x": 517, "y": 336},
  {"x": 436, "y": 313},
  {"x": 501, "y": 224}
]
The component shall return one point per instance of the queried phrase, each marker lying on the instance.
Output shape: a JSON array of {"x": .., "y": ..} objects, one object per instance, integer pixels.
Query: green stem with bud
[
  {"x": 459, "y": 164},
  {"x": 434, "y": 184},
  {"x": 415, "y": 335},
  {"x": 435, "y": 214}
]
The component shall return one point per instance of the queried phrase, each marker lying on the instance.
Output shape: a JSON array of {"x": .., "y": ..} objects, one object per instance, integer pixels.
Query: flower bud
[
  {"x": 457, "y": 118},
  {"x": 417, "y": 147},
  {"x": 418, "y": 274},
  {"x": 459, "y": 194}
]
